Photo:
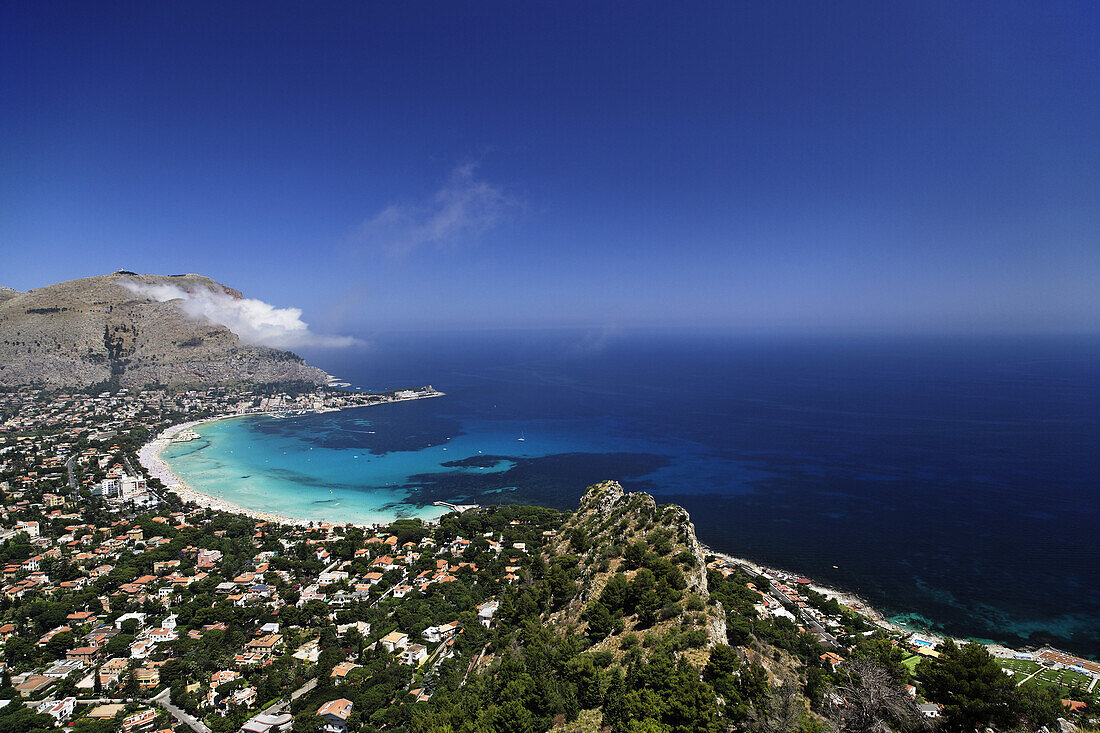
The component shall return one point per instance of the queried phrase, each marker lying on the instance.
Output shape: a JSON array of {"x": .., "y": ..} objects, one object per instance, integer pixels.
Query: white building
[
  {"x": 395, "y": 640},
  {"x": 485, "y": 612},
  {"x": 414, "y": 654},
  {"x": 60, "y": 710}
]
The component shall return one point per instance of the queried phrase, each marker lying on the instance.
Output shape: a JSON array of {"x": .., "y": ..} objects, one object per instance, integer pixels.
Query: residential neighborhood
[{"x": 122, "y": 609}]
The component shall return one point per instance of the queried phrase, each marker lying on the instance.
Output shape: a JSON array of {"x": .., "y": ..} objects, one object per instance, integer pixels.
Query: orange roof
[{"x": 340, "y": 708}]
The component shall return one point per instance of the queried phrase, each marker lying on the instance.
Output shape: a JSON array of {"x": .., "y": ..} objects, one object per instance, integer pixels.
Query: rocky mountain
[
  {"x": 94, "y": 330},
  {"x": 617, "y": 535}
]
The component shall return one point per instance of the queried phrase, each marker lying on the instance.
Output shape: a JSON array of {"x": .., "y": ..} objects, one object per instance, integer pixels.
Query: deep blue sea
[{"x": 952, "y": 482}]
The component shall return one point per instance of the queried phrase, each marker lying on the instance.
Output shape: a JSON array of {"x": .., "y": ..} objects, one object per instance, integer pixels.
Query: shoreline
[
  {"x": 150, "y": 459},
  {"x": 860, "y": 606}
]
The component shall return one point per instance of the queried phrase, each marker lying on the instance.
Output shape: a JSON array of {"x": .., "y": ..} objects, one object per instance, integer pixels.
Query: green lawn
[
  {"x": 1062, "y": 679},
  {"x": 1021, "y": 667},
  {"x": 911, "y": 663}
]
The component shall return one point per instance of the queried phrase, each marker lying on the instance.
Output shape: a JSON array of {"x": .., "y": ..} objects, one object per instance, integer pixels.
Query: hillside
[
  {"x": 92, "y": 330},
  {"x": 620, "y": 624},
  {"x": 629, "y": 546}
]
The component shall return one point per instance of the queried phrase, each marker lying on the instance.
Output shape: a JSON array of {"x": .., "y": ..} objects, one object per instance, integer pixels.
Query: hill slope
[{"x": 92, "y": 330}]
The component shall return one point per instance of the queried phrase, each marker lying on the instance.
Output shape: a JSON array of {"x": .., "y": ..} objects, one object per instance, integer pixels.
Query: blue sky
[{"x": 747, "y": 165}]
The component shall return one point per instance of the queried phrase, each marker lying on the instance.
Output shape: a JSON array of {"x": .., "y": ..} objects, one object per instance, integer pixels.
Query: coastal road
[
  {"x": 164, "y": 699},
  {"x": 802, "y": 615}
]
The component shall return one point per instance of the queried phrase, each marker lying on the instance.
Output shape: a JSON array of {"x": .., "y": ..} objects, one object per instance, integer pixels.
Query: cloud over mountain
[{"x": 253, "y": 321}]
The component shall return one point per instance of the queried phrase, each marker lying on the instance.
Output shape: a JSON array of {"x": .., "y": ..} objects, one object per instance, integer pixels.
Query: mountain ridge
[{"x": 91, "y": 331}]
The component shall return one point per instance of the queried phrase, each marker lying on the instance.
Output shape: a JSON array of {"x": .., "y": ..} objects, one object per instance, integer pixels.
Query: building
[
  {"x": 89, "y": 655},
  {"x": 59, "y": 710},
  {"x": 395, "y": 640},
  {"x": 147, "y": 678},
  {"x": 334, "y": 715},
  {"x": 436, "y": 634},
  {"x": 414, "y": 654},
  {"x": 340, "y": 671},
  {"x": 929, "y": 709},
  {"x": 268, "y": 723},
  {"x": 485, "y": 612},
  {"x": 139, "y": 721}
]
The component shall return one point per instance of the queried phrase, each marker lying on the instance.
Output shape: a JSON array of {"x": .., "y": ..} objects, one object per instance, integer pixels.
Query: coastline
[
  {"x": 150, "y": 459},
  {"x": 862, "y": 607}
]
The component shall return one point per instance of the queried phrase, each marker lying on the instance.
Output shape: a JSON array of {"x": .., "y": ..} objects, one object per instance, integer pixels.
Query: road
[
  {"x": 164, "y": 699},
  {"x": 72, "y": 477},
  {"x": 802, "y": 615},
  {"x": 280, "y": 706}
]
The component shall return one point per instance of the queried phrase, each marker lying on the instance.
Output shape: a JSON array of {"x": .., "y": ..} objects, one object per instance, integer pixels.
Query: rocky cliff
[
  {"x": 618, "y": 533},
  {"x": 93, "y": 330}
]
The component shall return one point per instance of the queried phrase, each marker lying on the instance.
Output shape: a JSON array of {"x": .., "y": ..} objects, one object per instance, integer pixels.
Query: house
[
  {"x": 111, "y": 671},
  {"x": 309, "y": 652},
  {"x": 485, "y": 612},
  {"x": 138, "y": 617},
  {"x": 265, "y": 644},
  {"x": 436, "y": 634},
  {"x": 139, "y": 720},
  {"x": 832, "y": 659},
  {"x": 141, "y": 649},
  {"x": 929, "y": 709},
  {"x": 268, "y": 723},
  {"x": 64, "y": 668},
  {"x": 395, "y": 640},
  {"x": 34, "y": 684},
  {"x": 89, "y": 655},
  {"x": 340, "y": 671},
  {"x": 80, "y": 617},
  {"x": 147, "y": 678},
  {"x": 334, "y": 715},
  {"x": 414, "y": 654},
  {"x": 160, "y": 635},
  {"x": 244, "y": 697},
  {"x": 59, "y": 710}
]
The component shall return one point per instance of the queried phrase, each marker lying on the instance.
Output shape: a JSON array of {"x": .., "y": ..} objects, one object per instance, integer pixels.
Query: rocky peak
[{"x": 96, "y": 330}]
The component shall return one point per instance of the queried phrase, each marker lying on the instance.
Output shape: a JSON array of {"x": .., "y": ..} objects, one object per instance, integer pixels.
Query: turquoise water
[{"x": 350, "y": 466}]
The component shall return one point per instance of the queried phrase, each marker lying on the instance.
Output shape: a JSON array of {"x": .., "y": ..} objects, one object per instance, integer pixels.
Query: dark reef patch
[
  {"x": 556, "y": 480},
  {"x": 478, "y": 462}
]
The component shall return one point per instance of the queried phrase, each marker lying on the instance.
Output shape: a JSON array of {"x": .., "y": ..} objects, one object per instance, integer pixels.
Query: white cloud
[
  {"x": 464, "y": 207},
  {"x": 254, "y": 321}
]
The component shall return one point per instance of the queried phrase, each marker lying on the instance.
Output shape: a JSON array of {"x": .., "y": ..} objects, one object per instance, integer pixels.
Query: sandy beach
[{"x": 149, "y": 457}]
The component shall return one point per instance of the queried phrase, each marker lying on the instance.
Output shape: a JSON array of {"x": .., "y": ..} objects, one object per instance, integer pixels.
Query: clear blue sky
[{"x": 753, "y": 165}]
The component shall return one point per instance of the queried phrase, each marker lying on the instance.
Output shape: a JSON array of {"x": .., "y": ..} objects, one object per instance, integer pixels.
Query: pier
[{"x": 455, "y": 507}]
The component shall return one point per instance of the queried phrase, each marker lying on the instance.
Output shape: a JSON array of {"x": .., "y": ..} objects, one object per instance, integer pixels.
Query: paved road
[
  {"x": 303, "y": 689},
  {"x": 280, "y": 706},
  {"x": 69, "y": 469},
  {"x": 803, "y": 615},
  {"x": 164, "y": 699}
]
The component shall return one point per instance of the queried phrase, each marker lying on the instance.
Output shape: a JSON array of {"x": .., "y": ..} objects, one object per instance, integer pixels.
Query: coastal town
[{"x": 128, "y": 605}]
